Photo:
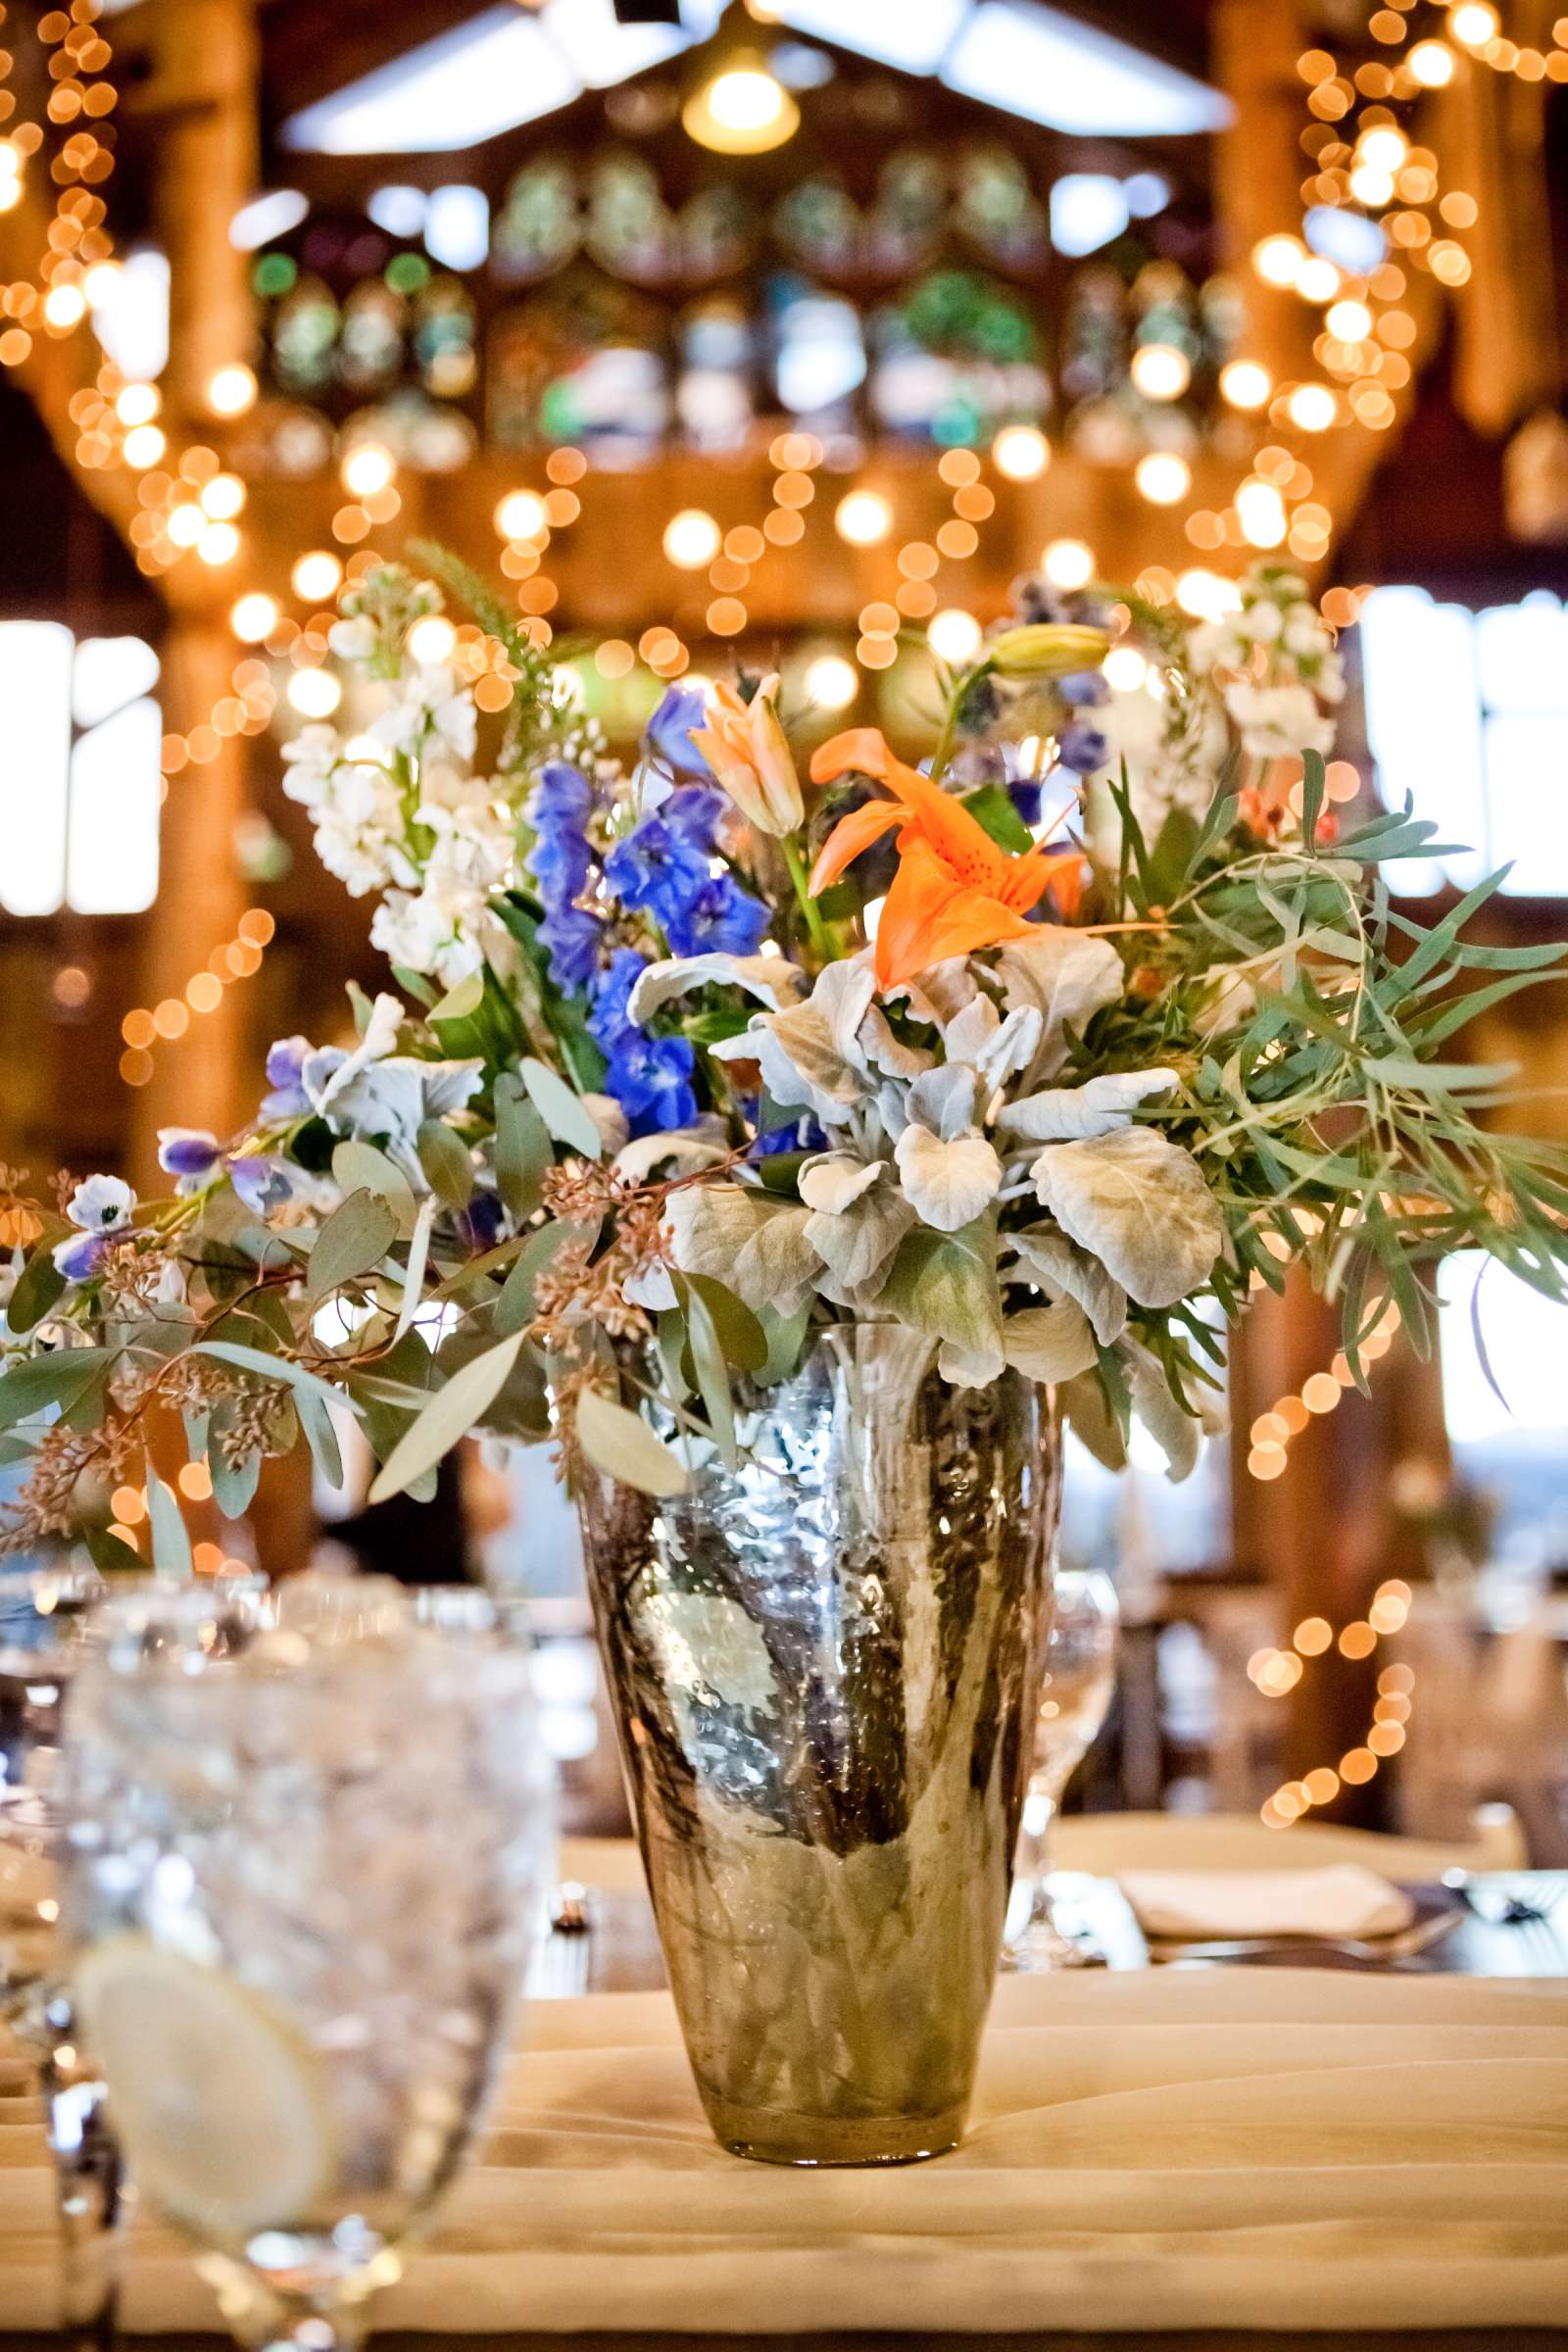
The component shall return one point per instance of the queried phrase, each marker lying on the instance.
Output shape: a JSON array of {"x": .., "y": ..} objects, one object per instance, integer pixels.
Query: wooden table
[{"x": 621, "y": 1953}]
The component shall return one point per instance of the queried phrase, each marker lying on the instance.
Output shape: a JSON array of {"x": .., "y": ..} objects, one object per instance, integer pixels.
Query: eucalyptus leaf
[
  {"x": 172, "y": 1553},
  {"x": 447, "y": 1164},
  {"x": 234, "y": 1483},
  {"x": 270, "y": 1367},
  {"x": 709, "y": 1368},
  {"x": 515, "y": 1306},
  {"x": 322, "y": 1437},
  {"x": 562, "y": 1111},
  {"x": 739, "y": 1333},
  {"x": 357, "y": 1165},
  {"x": 356, "y": 1237},
  {"x": 61, "y": 1377},
  {"x": 110, "y": 1553},
  {"x": 39, "y": 1286},
  {"x": 451, "y": 1412},
  {"x": 414, "y": 1274},
  {"x": 625, "y": 1448},
  {"x": 522, "y": 1147}
]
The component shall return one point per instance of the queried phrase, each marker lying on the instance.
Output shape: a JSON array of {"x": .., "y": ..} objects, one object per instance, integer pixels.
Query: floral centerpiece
[{"x": 789, "y": 1140}]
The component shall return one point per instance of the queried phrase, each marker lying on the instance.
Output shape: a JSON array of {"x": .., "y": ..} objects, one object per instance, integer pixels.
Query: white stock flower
[
  {"x": 429, "y": 702},
  {"x": 307, "y": 764},
  {"x": 1278, "y": 723}
]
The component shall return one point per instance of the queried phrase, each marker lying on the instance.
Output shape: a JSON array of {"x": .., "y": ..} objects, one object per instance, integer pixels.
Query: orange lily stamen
[{"x": 956, "y": 889}]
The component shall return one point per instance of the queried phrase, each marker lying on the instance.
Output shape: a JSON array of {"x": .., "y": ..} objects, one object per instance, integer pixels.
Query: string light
[
  {"x": 236, "y": 958},
  {"x": 864, "y": 519},
  {"x": 1068, "y": 564},
  {"x": 691, "y": 539},
  {"x": 1162, "y": 478},
  {"x": 1020, "y": 453}
]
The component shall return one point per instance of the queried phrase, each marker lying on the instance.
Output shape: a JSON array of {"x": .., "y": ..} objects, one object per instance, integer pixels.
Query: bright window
[
  {"x": 1467, "y": 713},
  {"x": 80, "y": 783},
  {"x": 1509, "y": 1442}
]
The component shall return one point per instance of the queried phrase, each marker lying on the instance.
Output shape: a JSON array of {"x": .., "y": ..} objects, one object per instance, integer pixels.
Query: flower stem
[{"x": 816, "y": 929}]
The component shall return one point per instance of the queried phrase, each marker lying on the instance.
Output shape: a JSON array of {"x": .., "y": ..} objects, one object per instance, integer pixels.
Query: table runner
[{"x": 1182, "y": 2149}]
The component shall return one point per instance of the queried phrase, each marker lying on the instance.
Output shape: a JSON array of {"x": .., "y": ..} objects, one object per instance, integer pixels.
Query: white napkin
[{"x": 1345, "y": 1900}]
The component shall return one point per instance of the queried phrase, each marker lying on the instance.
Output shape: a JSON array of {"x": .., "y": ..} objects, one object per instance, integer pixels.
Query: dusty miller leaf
[{"x": 1140, "y": 1205}]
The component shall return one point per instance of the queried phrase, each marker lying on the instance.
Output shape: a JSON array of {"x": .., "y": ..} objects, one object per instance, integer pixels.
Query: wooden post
[
  {"x": 203, "y": 96},
  {"x": 1259, "y": 164}
]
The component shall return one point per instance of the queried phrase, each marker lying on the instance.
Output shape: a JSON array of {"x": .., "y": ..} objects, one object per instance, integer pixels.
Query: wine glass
[
  {"x": 41, "y": 1616},
  {"x": 45, "y": 1628},
  {"x": 1076, "y": 1695},
  {"x": 297, "y": 1887}
]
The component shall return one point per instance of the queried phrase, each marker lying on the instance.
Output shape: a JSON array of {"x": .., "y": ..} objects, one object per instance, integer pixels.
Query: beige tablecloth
[{"x": 1217, "y": 2148}]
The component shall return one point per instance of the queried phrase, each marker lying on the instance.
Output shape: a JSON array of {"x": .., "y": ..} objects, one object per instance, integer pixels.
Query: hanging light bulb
[{"x": 743, "y": 110}]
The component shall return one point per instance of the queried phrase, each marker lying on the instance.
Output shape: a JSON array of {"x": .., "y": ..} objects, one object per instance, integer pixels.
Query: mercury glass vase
[{"x": 823, "y": 1664}]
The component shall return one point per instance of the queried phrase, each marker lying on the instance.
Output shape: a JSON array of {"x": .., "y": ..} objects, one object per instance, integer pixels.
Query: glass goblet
[
  {"x": 41, "y": 1618},
  {"x": 298, "y": 1889},
  {"x": 1075, "y": 1693},
  {"x": 47, "y": 1617}
]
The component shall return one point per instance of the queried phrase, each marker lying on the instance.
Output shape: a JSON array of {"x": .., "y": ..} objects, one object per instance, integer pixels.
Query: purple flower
[
  {"x": 651, "y": 1078},
  {"x": 570, "y": 937},
  {"x": 286, "y": 1057},
  {"x": 483, "y": 1221},
  {"x": 1085, "y": 689},
  {"x": 658, "y": 866},
  {"x": 562, "y": 796},
  {"x": 1025, "y": 794},
  {"x": 722, "y": 919},
  {"x": 669, "y": 737},
  {"x": 81, "y": 1258},
  {"x": 611, "y": 1018},
  {"x": 1083, "y": 748},
  {"x": 188, "y": 1150}
]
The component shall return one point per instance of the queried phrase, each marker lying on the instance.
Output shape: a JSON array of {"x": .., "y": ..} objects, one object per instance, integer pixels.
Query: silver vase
[{"x": 824, "y": 1665}]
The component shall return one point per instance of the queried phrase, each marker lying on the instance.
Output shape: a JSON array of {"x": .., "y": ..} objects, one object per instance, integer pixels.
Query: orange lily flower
[{"x": 956, "y": 890}]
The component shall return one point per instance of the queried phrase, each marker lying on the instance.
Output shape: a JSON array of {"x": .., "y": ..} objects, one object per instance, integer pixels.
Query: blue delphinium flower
[
  {"x": 611, "y": 1017},
  {"x": 1083, "y": 748},
  {"x": 1084, "y": 689},
  {"x": 570, "y": 937},
  {"x": 286, "y": 1057},
  {"x": 562, "y": 796},
  {"x": 669, "y": 738},
  {"x": 721, "y": 919},
  {"x": 659, "y": 867},
  {"x": 561, "y": 862},
  {"x": 651, "y": 1078},
  {"x": 694, "y": 812}
]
